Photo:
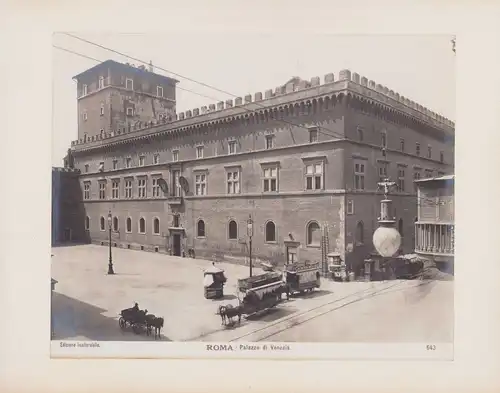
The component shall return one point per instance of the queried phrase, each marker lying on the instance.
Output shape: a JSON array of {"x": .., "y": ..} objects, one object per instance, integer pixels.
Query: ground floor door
[{"x": 176, "y": 244}]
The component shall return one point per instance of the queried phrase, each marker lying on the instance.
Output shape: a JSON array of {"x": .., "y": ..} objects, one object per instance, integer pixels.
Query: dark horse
[
  {"x": 152, "y": 321},
  {"x": 228, "y": 312}
]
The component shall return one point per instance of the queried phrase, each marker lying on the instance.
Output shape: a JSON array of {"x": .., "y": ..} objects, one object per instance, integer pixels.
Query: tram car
[{"x": 302, "y": 277}]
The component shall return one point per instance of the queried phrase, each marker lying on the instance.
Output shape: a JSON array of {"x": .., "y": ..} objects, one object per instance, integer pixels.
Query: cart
[{"x": 213, "y": 282}]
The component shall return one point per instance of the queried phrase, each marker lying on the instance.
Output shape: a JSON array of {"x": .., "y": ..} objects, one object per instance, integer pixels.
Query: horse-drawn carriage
[
  {"x": 260, "y": 293},
  {"x": 139, "y": 320},
  {"x": 302, "y": 277}
]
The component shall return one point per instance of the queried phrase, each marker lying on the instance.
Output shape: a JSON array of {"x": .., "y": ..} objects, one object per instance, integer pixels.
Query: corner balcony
[{"x": 437, "y": 239}]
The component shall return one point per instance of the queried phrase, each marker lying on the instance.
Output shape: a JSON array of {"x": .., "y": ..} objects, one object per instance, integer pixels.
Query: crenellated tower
[{"x": 113, "y": 95}]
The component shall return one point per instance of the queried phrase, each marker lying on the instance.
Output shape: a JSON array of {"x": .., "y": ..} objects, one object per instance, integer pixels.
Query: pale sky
[{"x": 421, "y": 68}]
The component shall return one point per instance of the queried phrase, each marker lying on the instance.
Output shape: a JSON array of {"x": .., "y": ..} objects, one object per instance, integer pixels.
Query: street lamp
[
  {"x": 250, "y": 234},
  {"x": 110, "y": 265}
]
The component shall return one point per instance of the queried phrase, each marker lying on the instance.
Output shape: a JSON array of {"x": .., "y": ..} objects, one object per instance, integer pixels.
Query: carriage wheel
[
  {"x": 136, "y": 328},
  {"x": 122, "y": 323}
]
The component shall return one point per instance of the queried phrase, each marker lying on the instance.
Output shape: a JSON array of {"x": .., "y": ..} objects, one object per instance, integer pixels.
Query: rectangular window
[
  {"x": 231, "y": 147},
  {"x": 360, "y": 134},
  {"x": 440, "y": 174},
  {"x": 176, "y": 187},
  {"x": 130, "y": 111},
  {"x": 269, "y": 141},
  {"x": 101, "y": 82},
  {"x": 86, "y": 190},
  {"x": 142, "y": 160},
  {"x": 175, "y": 155},
  {"x": 84, "y": 90},
  {"x": 159, "y": 91},
  {"x": 359, "y": 176},
  {"x": 314, "y": 176},
  {"x": 429, "y": 151},
  {"x": 115, "y": 184},
  {"x": 382, "y": 171},
  {"x": 384, "y": 139},
  {"x": 350, "y": 206},
  {"x": 416, "y": 176},
  {"x": 128, "y": 188},
  {"x": 233, "y": 181},
  {"x": 156, "y": 159},
  {"x": 86, "y": 168},
  {"x": 102, "y": 190},
  {"x": 313, "y": 135},
  {"x": 428, "y": 173},
  {"x": 129, "y": 84},
  {"x": 200, "y": 184},
  {"x": 401, "y": 179},
  {"x": 441, "y": 156},
  {"x": 115, "y": 164},
  {"x": 142, "y": 188},
  {"x": 402, "y": 145},
  {"x": 417, "y": 149},
  {"x": 85, "y": 116},
  {"x": 156, "y": 187},
  {"x": 128, "y": 162},
  {"x": 199, "y": 151},
  {"x": 270, "y": 179}
]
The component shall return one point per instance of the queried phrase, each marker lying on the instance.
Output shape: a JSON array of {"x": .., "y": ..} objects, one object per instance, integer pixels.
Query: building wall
[
  {"x": 68, "y": 211},
  {"x": 291, "y": 206}
]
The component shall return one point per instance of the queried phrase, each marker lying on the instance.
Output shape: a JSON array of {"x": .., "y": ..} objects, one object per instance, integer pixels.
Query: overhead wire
[{"x": 329, "y": 133}]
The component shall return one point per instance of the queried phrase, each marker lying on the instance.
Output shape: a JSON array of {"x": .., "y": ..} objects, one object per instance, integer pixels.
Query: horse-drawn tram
[
  {"x": 302, "y": 277},
  {"x": 260, "y": 293}
]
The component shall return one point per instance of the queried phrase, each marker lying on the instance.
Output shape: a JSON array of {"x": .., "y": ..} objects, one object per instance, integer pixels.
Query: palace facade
[{"x": 302, "y": 160}]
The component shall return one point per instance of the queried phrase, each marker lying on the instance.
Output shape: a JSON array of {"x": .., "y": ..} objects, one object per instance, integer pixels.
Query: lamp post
[
  {"x": 110, "y": 265},
  {"x": 250, "y": 234}
]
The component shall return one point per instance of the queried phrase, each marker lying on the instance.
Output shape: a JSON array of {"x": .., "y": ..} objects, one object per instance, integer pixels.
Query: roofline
[{"x": 113, "y": 62}]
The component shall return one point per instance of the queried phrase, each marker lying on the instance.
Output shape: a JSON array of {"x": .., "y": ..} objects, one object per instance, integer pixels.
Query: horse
[
  {"x": 155, "y": 322},
  {"x": 227, "y": 312}
]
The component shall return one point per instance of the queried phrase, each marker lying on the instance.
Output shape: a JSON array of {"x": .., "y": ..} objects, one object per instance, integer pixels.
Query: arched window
[
  {"x": 313, "y": 234},
  {"x": 360, "y": 233},
  {"x": 400, "y": 227},
  {"x": 233, "y": 230},
  {"x": 103, "y": 224},
  {"x": 156, "y": 226},
  {"x": 115, "y": 224},
  {"x": 142, "y": 225},
  {"x": 200, "y": 230},
  {"x": 129, "y": 224},
  {"x": 270, "y": 232},
  {"x": 87, "y": 223}
]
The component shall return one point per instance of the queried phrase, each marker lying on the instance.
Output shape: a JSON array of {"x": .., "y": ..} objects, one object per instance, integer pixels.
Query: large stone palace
[{"x": 302, "y": 160}]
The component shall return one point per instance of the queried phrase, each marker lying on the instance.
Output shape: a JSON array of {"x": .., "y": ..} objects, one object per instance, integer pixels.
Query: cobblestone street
[{"x": 86, "y": 303}]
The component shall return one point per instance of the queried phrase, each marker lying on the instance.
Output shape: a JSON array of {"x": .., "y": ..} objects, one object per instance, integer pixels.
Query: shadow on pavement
[{"x": 74, "y": 319}]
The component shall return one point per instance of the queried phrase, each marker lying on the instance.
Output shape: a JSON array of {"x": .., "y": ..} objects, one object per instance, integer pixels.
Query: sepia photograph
[{"x": 287, "y": 189}]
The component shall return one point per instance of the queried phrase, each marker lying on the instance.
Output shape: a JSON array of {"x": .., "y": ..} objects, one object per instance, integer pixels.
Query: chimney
[{"x": 150, "y": 65}]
